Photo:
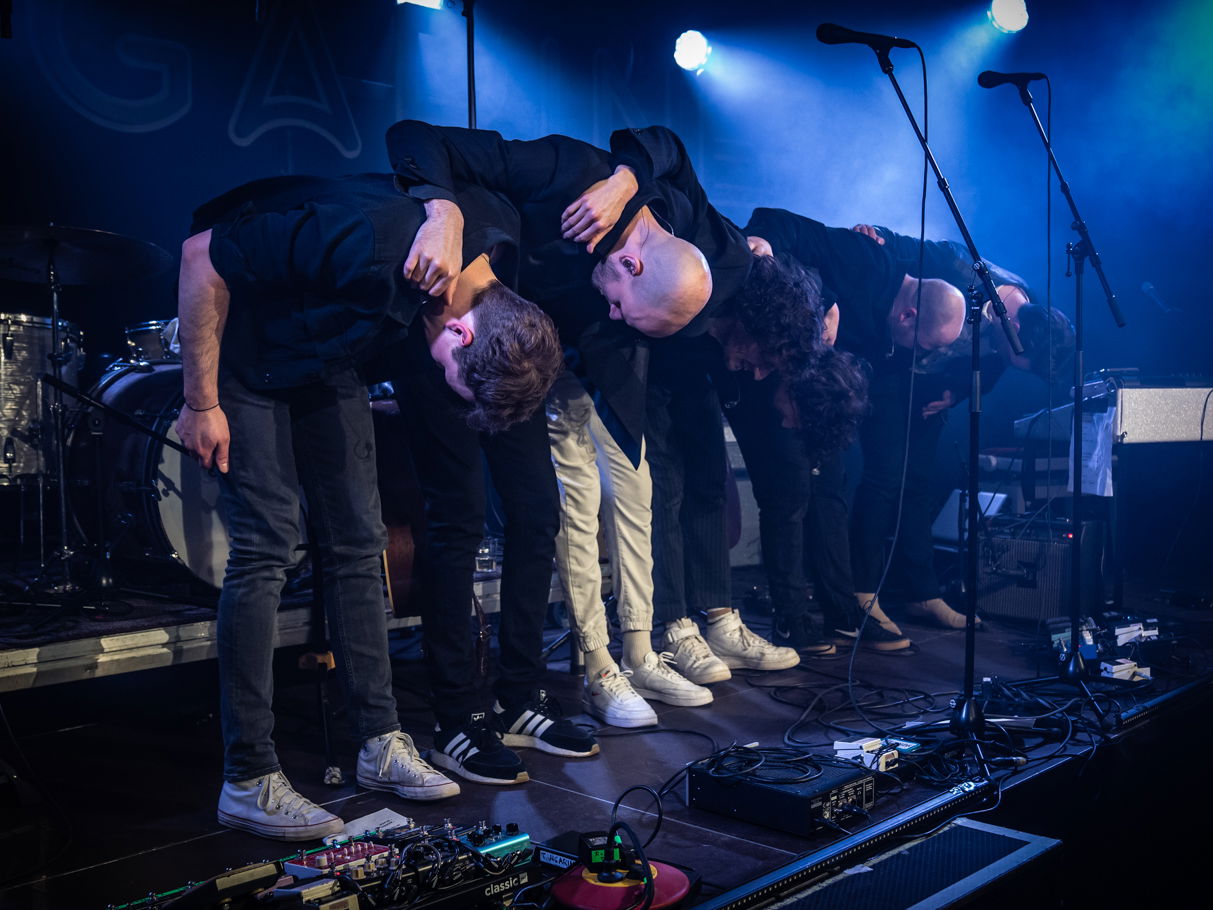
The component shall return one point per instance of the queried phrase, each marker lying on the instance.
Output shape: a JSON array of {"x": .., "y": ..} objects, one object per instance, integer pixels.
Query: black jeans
[
  {"x": 449, "y": 458},
  {"x": 802, "y": 515},
  {"x": 319, "y": 436},
  {"x": 883, "y": 438},
  {"x": 689, "y": 466}
]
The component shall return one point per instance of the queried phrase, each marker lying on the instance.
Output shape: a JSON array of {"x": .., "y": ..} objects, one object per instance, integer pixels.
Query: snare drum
[
  {"x": 154, "y": 340},
  {"x": 26, "y": 422},
  {"x": 154, "y": 502}
]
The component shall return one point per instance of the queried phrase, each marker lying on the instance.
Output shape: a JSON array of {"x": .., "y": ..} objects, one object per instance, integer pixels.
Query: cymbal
[{"x": 81, "y": 255}]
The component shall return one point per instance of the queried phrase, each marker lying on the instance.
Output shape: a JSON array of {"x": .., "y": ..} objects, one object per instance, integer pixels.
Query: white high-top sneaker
[
  {"x": 270, "y": 806},
  {"x": 391, "y": 762},
  {"x": 692, "y": 656},
  {"x": 739, "y": 648}
]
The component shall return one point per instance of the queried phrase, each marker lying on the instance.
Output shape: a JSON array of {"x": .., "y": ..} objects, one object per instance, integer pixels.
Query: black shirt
[
  {"x": 541, "y": 177},
  {"x": 857, "y": 273},
  {"x": 314, "y": 268}
]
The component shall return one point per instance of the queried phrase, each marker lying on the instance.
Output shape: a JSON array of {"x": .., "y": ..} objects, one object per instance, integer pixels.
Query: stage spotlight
[
  {"x": 428, "y": 4},
  {"x": 1008, "y": 15},
  {"x": 691, "y": 51}
]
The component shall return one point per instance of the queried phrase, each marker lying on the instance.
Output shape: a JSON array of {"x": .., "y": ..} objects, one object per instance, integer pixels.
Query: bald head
[
  {"x": 930, "y": 309},
  {"x": 654, "y": 281}
]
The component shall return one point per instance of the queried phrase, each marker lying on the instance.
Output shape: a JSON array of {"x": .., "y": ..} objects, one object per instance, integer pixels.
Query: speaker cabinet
[{"x": 1025, "y": 574}]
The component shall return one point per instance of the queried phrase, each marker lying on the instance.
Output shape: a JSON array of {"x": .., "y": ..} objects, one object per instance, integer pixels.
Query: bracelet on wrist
[{"x": 200, "y": 410}]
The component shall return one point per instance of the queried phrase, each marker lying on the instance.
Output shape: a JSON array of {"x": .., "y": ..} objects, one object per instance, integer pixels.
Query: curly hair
[
  {"x": 780, "y": 307},
  {"x": 514, "y": 358},
  {"x": 1048, "y": 340},
  {"x": 831, "y": 398}
]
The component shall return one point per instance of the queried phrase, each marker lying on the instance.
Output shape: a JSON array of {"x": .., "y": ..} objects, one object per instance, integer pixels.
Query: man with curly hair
[
  {"x": 883, "y": 314},
  {"x": 289, "y": 288}
]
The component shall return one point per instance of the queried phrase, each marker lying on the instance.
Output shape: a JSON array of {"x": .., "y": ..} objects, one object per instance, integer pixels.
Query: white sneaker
[
  {"x": 609, "y": 696},
  {"x": 390, "y": 762},
  {"x": 655, "y": 679},
  {"x": 692, "y": 656},
  {"x": 269, "y": 806},
  {"x": 740, "y": 648}
]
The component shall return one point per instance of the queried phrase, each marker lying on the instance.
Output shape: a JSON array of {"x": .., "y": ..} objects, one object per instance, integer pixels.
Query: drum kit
[
  {"x": 120, "y": 482},
  {"x": 124, "y": 493}
]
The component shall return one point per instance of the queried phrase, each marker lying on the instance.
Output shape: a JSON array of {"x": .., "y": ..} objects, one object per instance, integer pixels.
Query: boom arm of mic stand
[
  {"x": 1079, "y": 225},
  {"x": 886, "y": 66}
]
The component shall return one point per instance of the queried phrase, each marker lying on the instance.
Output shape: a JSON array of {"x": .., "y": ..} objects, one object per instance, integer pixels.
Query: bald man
[
  {"x": 612, "y": 257},
  {"x": 945, "y": 381}
]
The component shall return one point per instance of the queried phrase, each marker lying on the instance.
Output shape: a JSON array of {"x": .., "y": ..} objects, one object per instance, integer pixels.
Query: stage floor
[{"x": 120, "y": 774}]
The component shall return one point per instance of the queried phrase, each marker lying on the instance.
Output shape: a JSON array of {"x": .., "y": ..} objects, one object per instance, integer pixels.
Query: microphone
[
  {"x": 829, "y": 33},
  {"x": 989, "y": 78}
]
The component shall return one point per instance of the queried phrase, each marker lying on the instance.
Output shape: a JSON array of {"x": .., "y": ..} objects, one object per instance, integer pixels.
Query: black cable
[
  {"x": 645, "y": 901},
  {"x": 905, "y": 461},
  {"x": 656, "y": 798}
]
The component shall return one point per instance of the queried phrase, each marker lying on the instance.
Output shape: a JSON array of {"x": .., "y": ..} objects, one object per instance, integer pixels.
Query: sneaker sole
[
  {"x": 277, "y": 832},
  {"x": 523, "y": 741},
  {"x": 425, "y": 794},
  {"x": 819, "y": 650},
  {"x": 879, "y": 646},
  {"x": 690, "y": 700},
  {"x": 703, "y": 679},
  {"x": 738, "y": 663},
  {"x": 442, "y": 760},
  {"x": 621, "y": 720}
]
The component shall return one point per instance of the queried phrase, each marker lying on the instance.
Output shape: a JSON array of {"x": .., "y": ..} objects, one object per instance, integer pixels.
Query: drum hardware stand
[
  {"x": 58, "y": 358},
  {"x": 967, "y": 722},
  {"x": 102, "y": 580}
]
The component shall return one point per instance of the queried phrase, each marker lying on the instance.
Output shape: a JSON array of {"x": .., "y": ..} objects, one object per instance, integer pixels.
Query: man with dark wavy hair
[
  {"x": 289, "y": 288},
  {"x": 883, "y": 314}
]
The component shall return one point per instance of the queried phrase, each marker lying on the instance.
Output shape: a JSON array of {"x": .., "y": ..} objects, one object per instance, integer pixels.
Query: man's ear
[{"x": 462, "y": 330}]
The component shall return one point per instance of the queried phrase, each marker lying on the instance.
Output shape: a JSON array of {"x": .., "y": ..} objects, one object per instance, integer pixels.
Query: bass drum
[{"x": 132, "y": 493}]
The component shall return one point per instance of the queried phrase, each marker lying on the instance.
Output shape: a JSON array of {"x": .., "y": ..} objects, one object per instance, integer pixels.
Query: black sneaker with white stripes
[
  {"x": 537, "y": 724},
  {"x": 474, "y": 750}
]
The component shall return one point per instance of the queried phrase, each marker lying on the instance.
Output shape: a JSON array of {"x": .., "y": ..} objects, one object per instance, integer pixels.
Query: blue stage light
[
  {"x": 691, "y": 51},
  {"x": 1008, "y": 15}
]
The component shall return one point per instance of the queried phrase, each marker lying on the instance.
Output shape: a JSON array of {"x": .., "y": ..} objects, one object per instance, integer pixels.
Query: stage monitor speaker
[
  {"x": 1024, "y": 574},
  {"x": 967, "y": 863}
]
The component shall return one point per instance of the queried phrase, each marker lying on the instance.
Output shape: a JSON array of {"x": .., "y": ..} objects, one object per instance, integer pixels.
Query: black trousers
[
  {"x": 687, "y": 460},
  {"x": 883, "y": 438},
  {"x": 449, "y": 457},
  {"x": 803, "y": 514}
]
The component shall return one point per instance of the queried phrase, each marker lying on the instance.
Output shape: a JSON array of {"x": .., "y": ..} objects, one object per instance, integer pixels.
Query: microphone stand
[
  {"x": 967, "y": 720},
  {"x": 1071, "y": 668}
]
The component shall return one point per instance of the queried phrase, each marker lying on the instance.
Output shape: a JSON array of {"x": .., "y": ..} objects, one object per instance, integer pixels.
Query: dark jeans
[
  {"x": 687, "y": 459},
  {"x": 449, "y": 458},
  {"x": 883, "y": 438},
  {"x": 802, "y": 516},
  {"x": 319, "y": 436}
]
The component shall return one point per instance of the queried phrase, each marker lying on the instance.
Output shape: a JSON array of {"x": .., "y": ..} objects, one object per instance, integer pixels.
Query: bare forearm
[{"x": 202, "y": 306}]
